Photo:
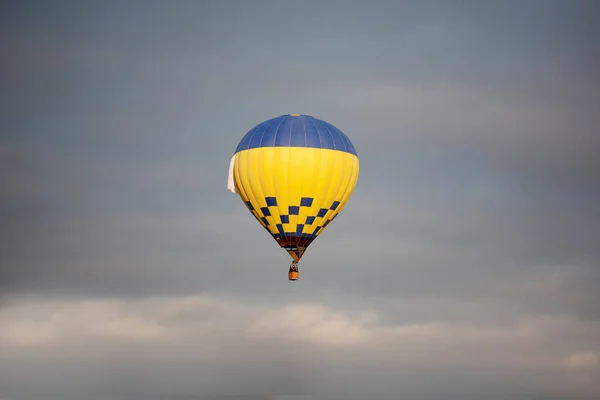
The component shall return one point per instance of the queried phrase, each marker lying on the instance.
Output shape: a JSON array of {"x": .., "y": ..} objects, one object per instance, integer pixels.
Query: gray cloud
[{"x": 467, "y": 256}]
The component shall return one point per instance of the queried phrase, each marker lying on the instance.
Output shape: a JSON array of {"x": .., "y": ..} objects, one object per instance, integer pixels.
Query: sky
[{"x": 466, "y": 264}]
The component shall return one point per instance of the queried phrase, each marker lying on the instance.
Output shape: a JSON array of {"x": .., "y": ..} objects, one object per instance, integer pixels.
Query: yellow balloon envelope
[{"x": 295, "y": 173}]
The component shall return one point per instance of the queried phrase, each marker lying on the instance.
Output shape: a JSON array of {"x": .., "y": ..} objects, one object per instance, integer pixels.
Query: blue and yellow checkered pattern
[{"x": 278, "y": 225}]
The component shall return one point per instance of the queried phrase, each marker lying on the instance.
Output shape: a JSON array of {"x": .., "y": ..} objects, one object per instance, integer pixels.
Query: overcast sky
[{"x": 465, "y": 266}]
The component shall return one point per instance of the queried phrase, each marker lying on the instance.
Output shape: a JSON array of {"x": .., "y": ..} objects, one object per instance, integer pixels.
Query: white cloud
[
  {"x": 581, "y": 360},
  {"x": 214, "y": 331},
  {"x": 38, "y": 324},
  {"x": 312, "y": 324},
  {"x": 194, "y": 319}
]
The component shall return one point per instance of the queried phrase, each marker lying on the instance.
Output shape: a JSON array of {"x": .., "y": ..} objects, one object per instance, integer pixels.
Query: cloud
[
  {"x": 581, "y": 360},
  {"x": 312, "y": 324},
  {"x": 212, "y": 330}
]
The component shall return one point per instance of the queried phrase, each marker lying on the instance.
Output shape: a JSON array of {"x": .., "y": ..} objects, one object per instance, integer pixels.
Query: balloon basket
[{"x": 293, "y": 274}]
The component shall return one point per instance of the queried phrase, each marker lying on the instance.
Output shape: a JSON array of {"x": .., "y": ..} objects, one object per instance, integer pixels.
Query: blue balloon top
[{"x": 295, "y": 130}]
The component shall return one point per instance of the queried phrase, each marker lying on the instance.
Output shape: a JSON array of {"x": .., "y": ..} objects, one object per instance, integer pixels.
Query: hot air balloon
[{"x": 295, "y": 173}]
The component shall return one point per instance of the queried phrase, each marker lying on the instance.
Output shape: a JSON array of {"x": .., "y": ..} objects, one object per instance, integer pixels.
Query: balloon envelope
[{"x": 295, "y": 173}]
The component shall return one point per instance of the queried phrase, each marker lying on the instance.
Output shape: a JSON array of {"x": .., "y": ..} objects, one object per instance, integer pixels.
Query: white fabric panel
[{"x": 230, "y": 182}]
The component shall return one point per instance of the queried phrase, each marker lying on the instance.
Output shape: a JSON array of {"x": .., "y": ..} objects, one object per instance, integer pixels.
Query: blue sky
[{"x": 466, "y": 263}]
